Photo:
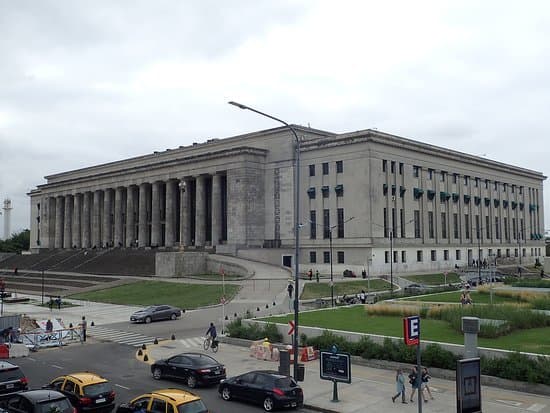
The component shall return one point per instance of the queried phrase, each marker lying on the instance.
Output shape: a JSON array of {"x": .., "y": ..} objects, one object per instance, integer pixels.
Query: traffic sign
[
  {"x": 292, "y": 327},
  {"x": 411, "y": 330}
]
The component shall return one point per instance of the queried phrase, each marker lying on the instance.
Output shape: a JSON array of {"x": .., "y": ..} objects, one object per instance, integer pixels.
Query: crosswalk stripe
[{"x": 136, "y": 339}]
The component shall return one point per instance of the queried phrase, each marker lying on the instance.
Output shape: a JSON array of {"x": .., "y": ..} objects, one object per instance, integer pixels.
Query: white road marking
[
  {"x": 510, "y": 402},
  {"x": 122, "y": 387},
  {"x": 57, "y": 367},
  {"x": 536, "y": 407}
]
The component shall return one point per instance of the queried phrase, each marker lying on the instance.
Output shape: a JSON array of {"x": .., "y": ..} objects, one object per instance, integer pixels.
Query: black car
[
  {"x": 193, "y": 368},
  {"x": 155, "y": 313},
  {"x": 268, "y": 388},
  {"x": 39, "y": 401},
  {"x": 12, "y": 379}
]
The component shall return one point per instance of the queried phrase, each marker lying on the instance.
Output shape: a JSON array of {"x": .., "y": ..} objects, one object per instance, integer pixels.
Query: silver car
[{"x": 155, "y": 313}]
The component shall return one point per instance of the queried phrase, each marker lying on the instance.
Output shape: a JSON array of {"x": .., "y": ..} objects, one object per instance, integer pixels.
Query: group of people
[
  {"x": 420, "y": 386},
  {"x": 465, "y": 298},
  {"x": 310, "y": 275}
]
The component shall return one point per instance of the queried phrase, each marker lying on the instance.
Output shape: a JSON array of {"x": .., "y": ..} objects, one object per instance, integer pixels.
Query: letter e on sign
[{"x": 411, "y": 330}]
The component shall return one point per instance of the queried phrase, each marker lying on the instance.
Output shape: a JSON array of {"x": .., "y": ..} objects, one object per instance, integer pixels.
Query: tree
[{"x": 17, "y": 243}]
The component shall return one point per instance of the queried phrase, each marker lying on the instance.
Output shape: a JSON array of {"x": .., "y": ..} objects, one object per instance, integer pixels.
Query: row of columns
[{"x": 139, "y": 215}]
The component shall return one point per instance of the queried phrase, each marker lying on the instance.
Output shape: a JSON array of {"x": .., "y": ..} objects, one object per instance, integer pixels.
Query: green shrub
[
  {"x": 436, "y": 356},
  {"x": 518, "y": 367},
  {"x": 254, "y": 332}
]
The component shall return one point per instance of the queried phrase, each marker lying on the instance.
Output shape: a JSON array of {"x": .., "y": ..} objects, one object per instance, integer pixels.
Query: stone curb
[{"x": 520, "y": 386}]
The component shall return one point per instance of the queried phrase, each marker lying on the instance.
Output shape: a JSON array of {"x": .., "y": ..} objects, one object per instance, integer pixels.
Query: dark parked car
[
  {"x": 268, "y": 388},
  {"x": 12, "y": 379},
  {"x": 39, "y": 401},
  {"x": 155, "y": 313},
  {"x": 193, "y": 368},
  {"x": 416, "y": 289}
]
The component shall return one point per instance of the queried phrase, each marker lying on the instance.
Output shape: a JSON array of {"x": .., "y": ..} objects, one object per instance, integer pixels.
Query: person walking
[
  {"x": 363, "y": 297},
  {"x": 425, "y": 379},
  {"x": 317, "y": 275},
  {"x": 310, "y": 274},
  {"x": 415, "y": 384},
  {"x": 290, "y": 289},
  {"x": 49, "y": 326},
  {"x": 84, "y": 327},
  {"x": 400, "y": 387}
]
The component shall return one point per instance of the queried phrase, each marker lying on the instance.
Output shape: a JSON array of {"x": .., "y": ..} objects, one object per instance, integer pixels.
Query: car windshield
[
  {"x": 11, "y": 374},
  {"x": 59, "y": 405},
  {"x": 204, "y": 361},
  {"x": 285, "y": 382},
  {"x": 147, "y": 309},
  {"x": 96, "y": 389},
  {"x": 196, "y": 406}
]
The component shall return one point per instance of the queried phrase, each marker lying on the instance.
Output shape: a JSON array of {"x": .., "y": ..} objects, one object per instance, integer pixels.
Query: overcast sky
[{"x": 88, "y": 82}]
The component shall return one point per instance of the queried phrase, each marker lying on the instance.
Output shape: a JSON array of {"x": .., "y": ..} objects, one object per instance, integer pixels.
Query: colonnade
[{"x": 161, "y": 213}]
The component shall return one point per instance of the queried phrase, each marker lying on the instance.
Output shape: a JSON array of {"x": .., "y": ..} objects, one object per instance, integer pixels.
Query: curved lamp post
[{"x": 296, "y": 226}]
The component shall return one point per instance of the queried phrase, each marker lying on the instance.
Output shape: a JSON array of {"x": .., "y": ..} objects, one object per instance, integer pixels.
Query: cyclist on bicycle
[{"x": 211, "y": 332}]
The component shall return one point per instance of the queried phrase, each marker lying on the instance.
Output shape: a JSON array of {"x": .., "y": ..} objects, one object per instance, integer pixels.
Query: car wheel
[
  {"x": 148, "y": 320},
  {"x": 191, "y": 382},
  {"x": 226, "y": 394},
  {"x": 157, "y": 373},
  {"x": 173, "y": 316},
  {"x": 268, "y": 404}
]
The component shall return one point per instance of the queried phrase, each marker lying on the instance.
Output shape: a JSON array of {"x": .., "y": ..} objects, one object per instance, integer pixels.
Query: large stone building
[{"x": 384, "y": 199}]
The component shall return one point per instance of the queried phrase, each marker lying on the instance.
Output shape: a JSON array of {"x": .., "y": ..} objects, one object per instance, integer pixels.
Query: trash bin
[
  {"x": 284, "y": 362},
  {"x": 301, "y": 372}
]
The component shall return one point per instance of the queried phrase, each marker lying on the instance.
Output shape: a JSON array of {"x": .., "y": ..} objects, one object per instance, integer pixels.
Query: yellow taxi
[
  {"x": 165, "y": 400},
  {"x": 88, "y": 392}
]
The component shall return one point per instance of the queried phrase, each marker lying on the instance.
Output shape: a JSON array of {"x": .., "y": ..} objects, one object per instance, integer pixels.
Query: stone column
[
  {"x": 143, "y": 238},
  {"x": 470, "y": 327},
  {"x": 77, "y": 216},
  {"x": 155, "y": 215},
  {"x": 96, "y": 219},
  {"x": 185, "y": 227},
  {"x": 200, "y": 205},
  {"x": 170, "y": 220},
  {"x": 68, "y": 222},
  {"x": 86, "y": 209},
  {"x": 130, "y": 216},
  {"x": 216, "y": 209},
  {"x": 107, "y": 218},
  {"x": 118, "y": 217},
  {"x": 59, "y": 204}
]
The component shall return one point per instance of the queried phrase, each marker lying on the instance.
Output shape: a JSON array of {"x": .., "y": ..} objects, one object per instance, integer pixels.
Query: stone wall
[{"x": 177, "y": 264}]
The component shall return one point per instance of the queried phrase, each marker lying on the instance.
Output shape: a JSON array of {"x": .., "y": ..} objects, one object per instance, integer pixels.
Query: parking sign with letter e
[{"x": 411, "y": 330}]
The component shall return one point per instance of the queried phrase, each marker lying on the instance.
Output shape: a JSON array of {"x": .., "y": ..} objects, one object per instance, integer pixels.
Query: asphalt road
[{"x": 116, "y": 362}]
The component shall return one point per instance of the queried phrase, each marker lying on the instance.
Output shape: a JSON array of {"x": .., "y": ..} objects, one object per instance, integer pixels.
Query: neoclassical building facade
[{"x": 383, "y": 199}]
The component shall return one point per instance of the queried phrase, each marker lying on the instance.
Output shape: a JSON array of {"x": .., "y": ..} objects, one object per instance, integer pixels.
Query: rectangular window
[
  {"x": 416, "y": 223},
  {"x": 385, "y": 223},
  {"x": 433, "y": 254},
  {"x": 419, "y": 256},
  {"x": 466, "y": 179},
  {"x": 521, "y": 229},
  {"x": 445, "y": 255},
  {"x": 312, "y": 225},
  {"x": 325, "y": 168},
  {"x": 311, "y": 170},
  {"x": 487, "y": 226},
  {"x": 402, "y": 222},
  {"x": 386, "y": 257},
  {"x": 443, "y": 176},
  {"x": 395, "y": 255},
  {"x": 467, "y": 226},
  {"x": 497, "y": 229},
  {"x": 430, "y": 224},
  {"x": 455, "y": 178},
  {"x": 443, "y": 225},
  {"x": 384, "y": 165},
  {"x": 340, "y": 212},
  {"x": 455, "y": 226},
  {"x": 496, "y": 185},
  {"x": 340, "y": 257},
  {"x": 403, "y": 256},
  {"x": 392, "y": 167},
  {"x": 416, "y": 171},
  {"x": 513, "y": 188},
  {"x": 478, "y": 234},
  {"x": 312, "y": 257},
  {"x": 514, "y": 229},
  {"x": 506, "y": 233},
  {"x": 326, "y": 223},
  {"x": 339, "y": 167},
  {"x": 393, "y": 222},
  {"x": 504, "y": 187},
  {"x": 457, "y": 255},
  {"x": 486, "y": 184},
  {"x": 326, "y": 257},
  {"x": 476, "y": 182},
  {"x": 400, "y": 168},
  {"x": 430, "y": 174}
]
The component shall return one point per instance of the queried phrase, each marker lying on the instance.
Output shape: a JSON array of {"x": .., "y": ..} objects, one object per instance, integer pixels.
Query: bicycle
[{"x": 212, "y": 344}]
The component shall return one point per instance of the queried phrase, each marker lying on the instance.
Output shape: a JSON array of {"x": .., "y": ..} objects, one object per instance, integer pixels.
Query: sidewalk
[{"x": 371, "y": 389}]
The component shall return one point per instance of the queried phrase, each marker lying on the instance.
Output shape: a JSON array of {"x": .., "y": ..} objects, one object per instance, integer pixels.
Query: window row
[
  {"x": 325, "y": 225},
  {"x": 326, "y": 257},
  {"x": 535, "y": 252},
  {"x": 325, "y": 168},
  {"x": 325, "y": 191}
]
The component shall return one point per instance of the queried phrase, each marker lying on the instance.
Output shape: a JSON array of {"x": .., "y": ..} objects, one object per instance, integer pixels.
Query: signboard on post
[
  {"x": 411, "y": 330},
  {"x": 468, "y": 385},
  {"x": 336, "y": 366},
  {"x": 291, "y": 328}
]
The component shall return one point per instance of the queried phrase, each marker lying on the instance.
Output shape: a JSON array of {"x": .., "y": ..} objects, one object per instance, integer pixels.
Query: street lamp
[{"x": 296, "y": 226}]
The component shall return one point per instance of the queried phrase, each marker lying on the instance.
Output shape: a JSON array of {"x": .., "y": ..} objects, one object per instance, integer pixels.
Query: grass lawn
[
  {"x": 356, "y": 319},
  {"x": 186, "y": 296},
  {"x": 454, "y": 297},
  {"x": 433, "y": 279},
  {"x": 215, "y": 277},
  {"x": 318, "y": 290}
]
